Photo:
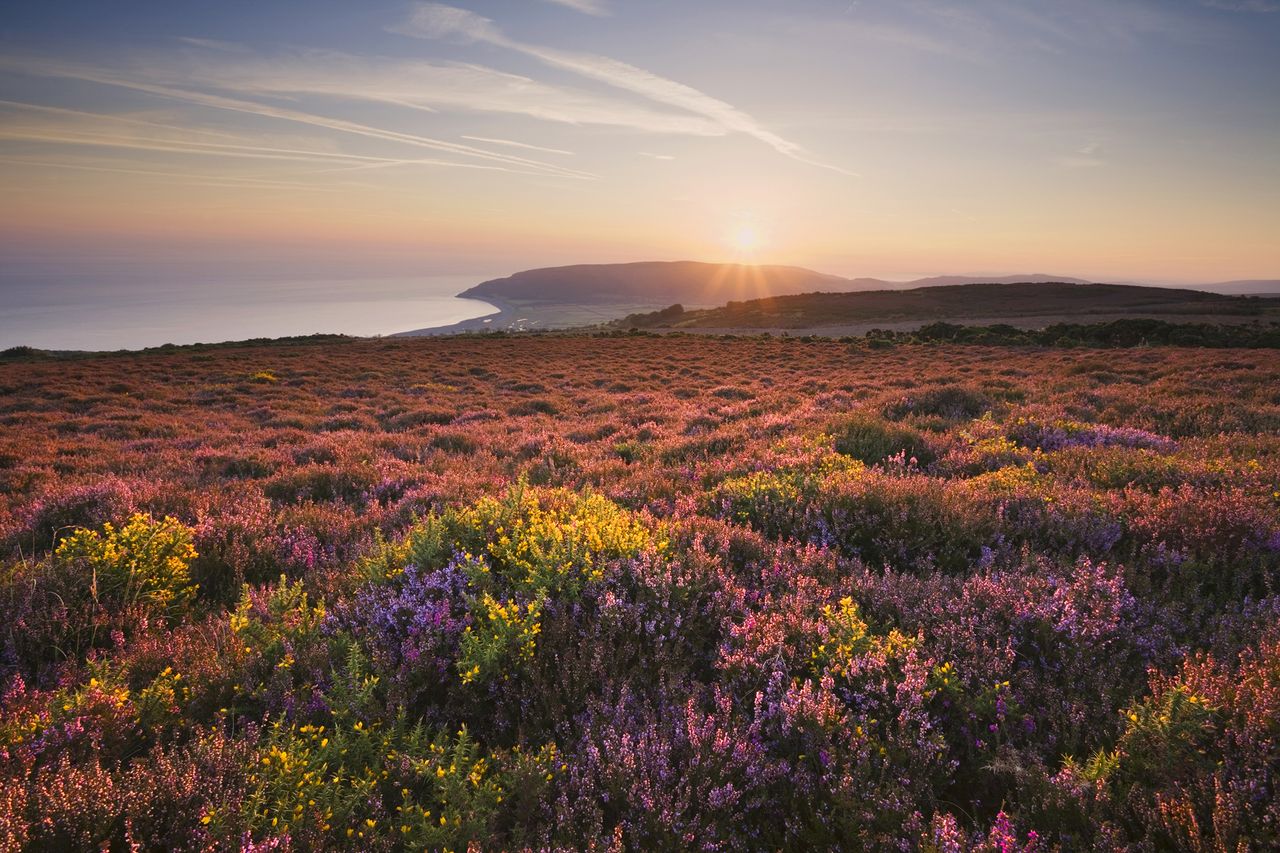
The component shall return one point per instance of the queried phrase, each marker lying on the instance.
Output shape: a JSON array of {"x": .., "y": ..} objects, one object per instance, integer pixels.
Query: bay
[{"x": 111, "y": 314}]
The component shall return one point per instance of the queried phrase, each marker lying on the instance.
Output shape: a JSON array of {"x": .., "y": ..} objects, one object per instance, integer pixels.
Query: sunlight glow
[{"x": 745, "y": 240}]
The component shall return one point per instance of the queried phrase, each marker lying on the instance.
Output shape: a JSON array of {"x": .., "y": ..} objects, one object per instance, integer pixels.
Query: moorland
[{"x": 640, "y": 592}]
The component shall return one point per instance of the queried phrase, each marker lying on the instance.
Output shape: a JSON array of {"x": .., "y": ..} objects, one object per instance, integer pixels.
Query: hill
[
  {"x": 1259, "y": 287},
  {"x": 689, "y": 282},
  {"x": 596, "y": 294},
  {"x": 951, "y": 280},
  {"x": 696, "y": 283},
  {"x": 954, "y": 302}
]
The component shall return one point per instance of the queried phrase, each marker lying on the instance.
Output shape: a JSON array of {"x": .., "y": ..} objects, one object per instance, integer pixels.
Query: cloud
[
  {"x": 426, "y": 86},
  {"x": 186, "y": 177},
  {"x": 586, "y": 7},
  {"x": 1087, "y": 156},
  {"x": 995, "y": 26},
  {"x": 214, "y": 44},
  {"x": 435, "y": 20},
  {"x": 80, "y": 129},
  {"x": 1243, "y": 5},
  {"x": 515, "y": 144},
  {"x": 221, "y": 102},
  {"x": 912, "y": 39}
]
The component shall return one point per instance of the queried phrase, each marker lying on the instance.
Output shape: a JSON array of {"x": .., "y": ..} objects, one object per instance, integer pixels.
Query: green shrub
[
  {"x": 1166, "y": 736},
  {"x": 871, "y": 440},
  {"x": 951, "y": 403},
  {"x": 629, "y": 451},
  {"x": 454, "y": 442}
]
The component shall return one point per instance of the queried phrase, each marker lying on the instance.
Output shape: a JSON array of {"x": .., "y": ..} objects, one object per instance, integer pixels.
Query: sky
[{"x": 1107, "y": 139}]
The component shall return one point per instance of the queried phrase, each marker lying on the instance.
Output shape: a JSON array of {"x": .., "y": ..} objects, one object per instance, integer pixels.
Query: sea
[{"x": 70, "y": 313}]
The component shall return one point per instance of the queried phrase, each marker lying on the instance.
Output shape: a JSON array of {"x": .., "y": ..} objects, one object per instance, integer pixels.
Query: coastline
[
  {"x": 495, "y": 319},
  {"x": 531, "y": 316}
]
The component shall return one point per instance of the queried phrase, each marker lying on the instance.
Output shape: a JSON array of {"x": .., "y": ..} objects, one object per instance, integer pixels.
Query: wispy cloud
[
  {"x": 514, "y": 144},
  {"x": 80, "y": 129},
  {"x": 587, "y": 7},
  {"x": 424, "y": 86},
  {"x": 42, "y": 123},
  {"x": 1087, "y": 156},
  {"x": 108, "y": 78},
  {"x": 214, "y": 44},
  {"x": 996, "y": 26},
  {"x": 914, "y": 39},
  {"x": 1243, "y": 5},
  {"x": 91, "y": 137},
  {"x": 129, "y": 120},
  {"x": 186, "y": 177},
  {"x": 436, "y": 20}
]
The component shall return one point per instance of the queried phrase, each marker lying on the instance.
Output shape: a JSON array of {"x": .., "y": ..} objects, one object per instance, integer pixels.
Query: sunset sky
[{"x": 1112, "y": 139}]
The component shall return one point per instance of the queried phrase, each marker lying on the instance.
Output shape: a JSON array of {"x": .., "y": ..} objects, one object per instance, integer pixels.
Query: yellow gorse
[
  {"x": 519, "y": 551},
  {"x": 849, "y": 637},
  {"x": 144, "y": 562},
  {"x": 540, "y": 546}
]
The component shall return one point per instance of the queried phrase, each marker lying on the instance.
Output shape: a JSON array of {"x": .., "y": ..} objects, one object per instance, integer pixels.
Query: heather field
[{"x": 640, "y": 593}]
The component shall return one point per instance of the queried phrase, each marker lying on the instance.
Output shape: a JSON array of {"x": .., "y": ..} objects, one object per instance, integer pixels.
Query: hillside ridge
[
  {"x": 705, "y": 284},
  {"x": 949, "y": 302},
  {"x": 697, "y": 283}
]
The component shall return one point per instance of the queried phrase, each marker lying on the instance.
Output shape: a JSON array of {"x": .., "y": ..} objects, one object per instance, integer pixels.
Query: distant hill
[
  {"x": 693, "y": 283},
  {"x": 951, "y": 280},
  {"x": 595, "y": 294},
  {"x": 955, "y": 302},
  {"x": 704, "y": 284},
  {"x": 1255, "y": 286},
  {"x": 658, "y": 282}
]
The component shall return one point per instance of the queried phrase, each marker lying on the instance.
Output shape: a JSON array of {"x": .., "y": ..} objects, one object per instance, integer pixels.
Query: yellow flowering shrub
[
  {"x": 274, "y": 616},
  {"x": 315, "y": 781},
  {"x": 760, "y": 496},
  {"x": 554, "y": 544},
  {"x": 849, "y": 637},
  {"x": 537, "y": 541},
  {"x": 326, "y": 785},
  {"x": 455, "y": 790},
  {"x": 516, "y": 552},
  {"x": 1012, "y": 478},
  {"x": 145, "y": 562},
  {"x": 1166, "y": 733},
  {"x": 277, "y": 643},
  {"x": 503, "y": 631}
]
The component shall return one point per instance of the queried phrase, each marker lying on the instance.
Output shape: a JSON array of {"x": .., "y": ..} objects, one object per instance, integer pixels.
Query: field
[{"x": 640, "y": 593}]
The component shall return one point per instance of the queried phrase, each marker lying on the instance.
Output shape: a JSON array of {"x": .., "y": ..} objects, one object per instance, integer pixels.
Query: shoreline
[
  {"x": 532, "y": 316},
  {"x": 501, "y": 310}
]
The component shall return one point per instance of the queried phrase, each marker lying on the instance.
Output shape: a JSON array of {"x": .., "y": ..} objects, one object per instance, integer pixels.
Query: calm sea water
[{"x": 67, "y": 314}]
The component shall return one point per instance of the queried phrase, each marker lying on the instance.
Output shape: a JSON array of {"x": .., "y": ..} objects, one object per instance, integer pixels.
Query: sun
[{"x": 745, "y": 240}]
